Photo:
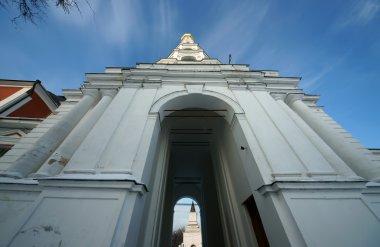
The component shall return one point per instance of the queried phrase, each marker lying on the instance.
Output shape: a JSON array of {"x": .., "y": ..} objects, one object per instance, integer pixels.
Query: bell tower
[
  {"x": 192, "y": 235},
  {"x": 263, "y": 161},
  {"x": 187, "y": 51}
]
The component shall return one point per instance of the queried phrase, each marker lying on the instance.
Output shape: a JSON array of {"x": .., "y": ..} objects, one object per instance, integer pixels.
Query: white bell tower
[
  {"x": 264, "y": 162},
  {"x": 192, "y": 236}
]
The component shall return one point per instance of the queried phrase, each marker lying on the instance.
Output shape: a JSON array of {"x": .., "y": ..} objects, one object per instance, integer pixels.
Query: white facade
[{"x": 107, "y": 169}]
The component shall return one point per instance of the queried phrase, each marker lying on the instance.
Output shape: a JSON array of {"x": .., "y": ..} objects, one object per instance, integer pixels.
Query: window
[{"x": 188, "y": 58}]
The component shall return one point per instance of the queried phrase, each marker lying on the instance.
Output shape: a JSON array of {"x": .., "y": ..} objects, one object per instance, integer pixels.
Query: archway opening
[
  {"x": 186, "y": 223},
  {"x": 200, "y": 156},
  {"x": 190, "y": 170}
]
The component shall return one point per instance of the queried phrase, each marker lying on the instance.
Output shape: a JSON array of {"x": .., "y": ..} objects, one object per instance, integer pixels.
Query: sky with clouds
[{"x": 333, "y": 45}]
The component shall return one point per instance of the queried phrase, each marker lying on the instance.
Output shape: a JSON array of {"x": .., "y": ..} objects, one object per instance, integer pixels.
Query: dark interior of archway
[
  {"x": 256, "y": 222},
  {"x": 191, "y": 174}
]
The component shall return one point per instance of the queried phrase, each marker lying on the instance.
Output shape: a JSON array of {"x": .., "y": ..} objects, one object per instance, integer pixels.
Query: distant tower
[{"x": 192, "y": 236}]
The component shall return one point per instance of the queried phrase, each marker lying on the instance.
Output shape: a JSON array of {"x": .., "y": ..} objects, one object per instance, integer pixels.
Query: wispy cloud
[
  {"x": 237, "y": 29},
  {"x": 166, "y": 15},
  {"x": 315, "y": 80},
  {"x": 119, "y": 24},
  {"x": 360, "y": 13},
  {"x": 163, "y": 22},
  {"x": 114, "y": 21}
]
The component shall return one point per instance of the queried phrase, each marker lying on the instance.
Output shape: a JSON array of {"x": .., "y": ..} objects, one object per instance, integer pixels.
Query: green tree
[{"x": 177, "y": 236}]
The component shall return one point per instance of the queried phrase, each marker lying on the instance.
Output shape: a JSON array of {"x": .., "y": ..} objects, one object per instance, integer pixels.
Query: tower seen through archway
[{"x": 186, "y": 223}]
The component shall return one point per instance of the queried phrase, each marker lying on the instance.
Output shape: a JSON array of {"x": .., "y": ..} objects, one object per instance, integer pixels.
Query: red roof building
[{"x": 23, "y": 105}]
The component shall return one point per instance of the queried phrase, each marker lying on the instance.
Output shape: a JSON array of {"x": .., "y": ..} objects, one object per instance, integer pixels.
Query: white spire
[
  {"x": 187, "y": 51},
  {"x": 192, "y": 225}
]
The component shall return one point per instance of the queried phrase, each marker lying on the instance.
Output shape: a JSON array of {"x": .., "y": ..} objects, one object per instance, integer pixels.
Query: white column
[
  {"x": 144, "y": 159},
  {"x": 62, "y": 155},
  {"x": 30, "y": 161},
  {"x": 336, "y": 162},
  {"x": 357, "y": 161},
  {"x": 306, "y": 152},
  {"x": 122, "y": 150},
  {"x": 278, "y": 153},
  {"x": 89, "y": 152}
]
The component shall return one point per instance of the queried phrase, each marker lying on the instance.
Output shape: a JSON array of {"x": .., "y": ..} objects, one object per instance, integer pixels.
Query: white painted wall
[{"x": 112, "y": 191}]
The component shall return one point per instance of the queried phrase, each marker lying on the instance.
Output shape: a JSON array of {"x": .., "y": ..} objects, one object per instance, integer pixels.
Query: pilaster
[
  {"x": 278, "y": 153},
  {"x": 307, "y": 153},
  {"x": 91, "y": 149},
  {"x": 42, "y": 149},
  {"x": 352, "y": 156},
  {"x": 63, "y": 154},
  {"x": 333, "y": 159},
  {"x": 121, "y": 152}
]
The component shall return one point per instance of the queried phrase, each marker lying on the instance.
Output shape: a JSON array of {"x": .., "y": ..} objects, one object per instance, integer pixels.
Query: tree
[
  {"x": 177, "y": 236},
  {"x": 29, "y": 10}
]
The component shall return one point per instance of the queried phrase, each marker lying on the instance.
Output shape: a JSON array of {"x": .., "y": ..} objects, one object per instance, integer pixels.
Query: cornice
[
  {"x": 290, "y": 98},
  {"x": 108, "y": 92},
  {"x": 314, "y": 184},
  {"x": 155, "y": 75},
  {"x": 237, "y": 86},
  {"x": 278, "y": 96},
  {"x": 306, "y": 98},
  {"x": 101, "y": 181},
  {"x": 92, "y": 92}
]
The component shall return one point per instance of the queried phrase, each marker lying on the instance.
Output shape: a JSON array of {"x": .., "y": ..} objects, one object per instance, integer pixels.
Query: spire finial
[
  {"x": 192, "y": 207},
  {"x": 187, "y": 38}
]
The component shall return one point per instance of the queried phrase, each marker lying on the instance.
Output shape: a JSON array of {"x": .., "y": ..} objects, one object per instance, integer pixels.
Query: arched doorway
[
  {"x": 200, "y": 156},
  {"x": 186, "y": 223}
]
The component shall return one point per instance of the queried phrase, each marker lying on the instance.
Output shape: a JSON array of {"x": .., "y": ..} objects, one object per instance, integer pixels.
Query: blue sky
[{"x": 333, "y": 45}]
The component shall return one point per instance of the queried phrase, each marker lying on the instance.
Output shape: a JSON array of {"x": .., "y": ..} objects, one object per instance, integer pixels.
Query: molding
[
  {"x": 232, "y": 106},
  {"x": 16, "y": 106},
  {"x": 21, "y": 123},
  {"x": 13, "y": 97},
  {"x": 257, "y": 87},
  {"x": 237, "y": 86},
  {"x": 131, "y": 84},
  {"x": 46, "y": 98},
  {"x": 116, "y": 171},
  {"x": 151, "y": 84},
  {"x": 26, "y": 181},
  {"x": 156, "y": 106},
  {"x": 96, "y": 182},
  {"x": 116, "y": 181},
  {"x": 279, "y": 96},
  {"x": 231, "y": 102},
  {"x": 195, "y": 88},
  {"x": 333, "y": 185},
  {"x": 72, "y": 94},
  {"x": 108, "y": 92},
  {"x": 92, "y": 92},
  {"x": 290, "y": 98}
]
